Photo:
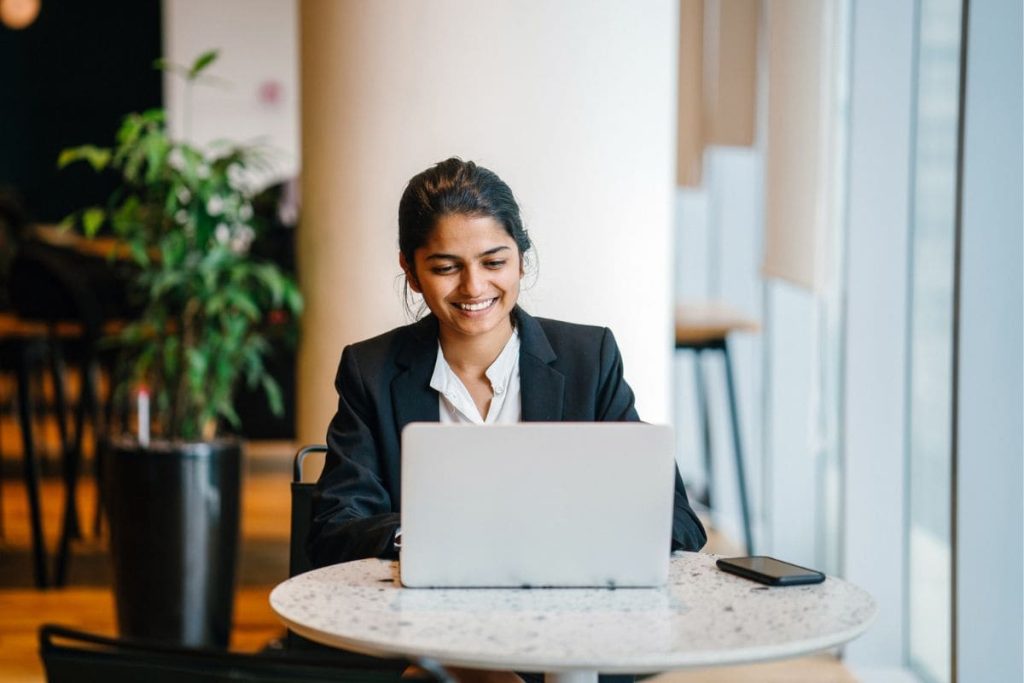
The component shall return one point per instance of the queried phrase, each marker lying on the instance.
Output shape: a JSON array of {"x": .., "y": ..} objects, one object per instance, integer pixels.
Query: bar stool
[
  {"x": 705, "y": 328},
  {"x": 50, "y": 290},
  {"x": 19, "y": 342}
]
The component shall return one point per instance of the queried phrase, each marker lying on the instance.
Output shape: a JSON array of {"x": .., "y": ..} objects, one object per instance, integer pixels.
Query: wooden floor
[{"x": 88, "y": 604}]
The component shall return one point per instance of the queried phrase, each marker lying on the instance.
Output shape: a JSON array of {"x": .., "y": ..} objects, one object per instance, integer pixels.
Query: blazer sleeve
[
  {"x": 615, "y": 402},
  {"x": 353, "y": 517}
]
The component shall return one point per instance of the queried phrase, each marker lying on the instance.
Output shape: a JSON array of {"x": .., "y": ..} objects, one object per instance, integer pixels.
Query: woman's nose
[{"x": 473, "y": 284}]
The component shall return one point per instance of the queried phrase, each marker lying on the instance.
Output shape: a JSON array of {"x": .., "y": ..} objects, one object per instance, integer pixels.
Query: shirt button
[{"x": 498, "y": 390}]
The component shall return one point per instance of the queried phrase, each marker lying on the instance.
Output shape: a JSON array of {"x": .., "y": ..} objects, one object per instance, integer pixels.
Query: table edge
[{"x": 683, "y": 661}]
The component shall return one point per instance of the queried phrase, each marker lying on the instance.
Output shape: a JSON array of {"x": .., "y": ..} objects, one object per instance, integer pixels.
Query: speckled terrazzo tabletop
[{"x": 702, "y": 617}]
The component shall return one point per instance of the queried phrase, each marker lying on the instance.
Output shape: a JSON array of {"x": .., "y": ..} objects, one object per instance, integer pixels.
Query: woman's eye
[
  {"x": 495, "y": 264},
  {"x": 443, "y": 270}
]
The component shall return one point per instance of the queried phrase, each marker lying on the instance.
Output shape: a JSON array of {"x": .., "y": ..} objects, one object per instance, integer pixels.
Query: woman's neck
[{"x": 473, "y": 355}]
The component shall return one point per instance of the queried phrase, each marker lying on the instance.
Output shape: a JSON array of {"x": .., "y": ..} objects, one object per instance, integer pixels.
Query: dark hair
[{"x": 452, "y": 187}]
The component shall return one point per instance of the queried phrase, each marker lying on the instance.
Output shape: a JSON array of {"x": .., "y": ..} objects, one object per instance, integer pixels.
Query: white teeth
[{"x": 476, "y": 307}]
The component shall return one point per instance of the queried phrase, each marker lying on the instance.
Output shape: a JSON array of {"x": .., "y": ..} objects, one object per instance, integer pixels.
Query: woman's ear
[{"x": 410, "y": 275}]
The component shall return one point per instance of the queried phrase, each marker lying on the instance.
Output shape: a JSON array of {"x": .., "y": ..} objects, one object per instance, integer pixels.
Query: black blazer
[{"x": 568, "y": 373}]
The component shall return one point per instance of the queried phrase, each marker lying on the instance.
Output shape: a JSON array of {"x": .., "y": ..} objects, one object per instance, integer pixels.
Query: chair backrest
[
  {"x": 302, "y": 511},
  {"x": 46, "y": 285},
  {"x": 303, "y": 484},
  {"x": 75, "y": 656}
]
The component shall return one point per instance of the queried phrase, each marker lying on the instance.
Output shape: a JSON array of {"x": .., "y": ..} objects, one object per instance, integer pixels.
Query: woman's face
[{"x": 468, "y": 273}]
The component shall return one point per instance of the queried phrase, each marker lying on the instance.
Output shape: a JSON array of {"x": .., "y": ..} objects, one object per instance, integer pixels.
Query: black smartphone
[{"x": 770, "y": 571}]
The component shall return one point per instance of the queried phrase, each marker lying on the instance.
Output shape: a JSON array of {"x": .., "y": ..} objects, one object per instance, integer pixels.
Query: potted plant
[{"x": 183, "y": 215}]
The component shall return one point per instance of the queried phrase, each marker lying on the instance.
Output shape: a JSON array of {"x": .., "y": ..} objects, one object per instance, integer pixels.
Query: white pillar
[{"x": 572, "y": 103}]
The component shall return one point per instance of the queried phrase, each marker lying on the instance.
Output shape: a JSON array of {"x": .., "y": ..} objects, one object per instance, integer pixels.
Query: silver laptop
[{"x": 536, "y": 504}]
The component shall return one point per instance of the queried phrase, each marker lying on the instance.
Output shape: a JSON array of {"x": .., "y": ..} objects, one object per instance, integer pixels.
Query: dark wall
[{"x": 67, "y": 80}]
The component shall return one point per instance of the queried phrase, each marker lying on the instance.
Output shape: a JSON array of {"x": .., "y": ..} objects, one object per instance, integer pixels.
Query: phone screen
[
  {"x": 771, "y": 571},
  {"x": 770, "y": 566}
]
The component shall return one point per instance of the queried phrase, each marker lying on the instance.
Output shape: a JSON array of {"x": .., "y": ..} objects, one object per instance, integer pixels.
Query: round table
[{"x": 702, "y": 617}]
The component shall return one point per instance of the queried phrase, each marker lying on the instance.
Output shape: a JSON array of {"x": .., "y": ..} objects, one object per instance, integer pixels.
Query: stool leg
[
  {"x": 705, "y": 425},
  {"x": 103, "y": 433},
  {"x": 58, "y": 371},
  {"x": 31, "y": 466},
  {"x": 86, "y": 404},
  {"x": 3, "y": 533},
  {"x": 737, "y": 449}
]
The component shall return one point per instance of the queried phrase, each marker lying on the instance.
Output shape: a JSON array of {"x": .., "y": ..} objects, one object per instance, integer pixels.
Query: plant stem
[{"x": 183, "y": 405}]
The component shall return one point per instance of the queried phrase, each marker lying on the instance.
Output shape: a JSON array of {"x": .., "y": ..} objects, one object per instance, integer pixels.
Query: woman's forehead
[{"x": 464, "y": 235}]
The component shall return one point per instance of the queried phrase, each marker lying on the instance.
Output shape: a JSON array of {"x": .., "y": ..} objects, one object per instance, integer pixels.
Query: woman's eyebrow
[{"x": 453, "y": 257}]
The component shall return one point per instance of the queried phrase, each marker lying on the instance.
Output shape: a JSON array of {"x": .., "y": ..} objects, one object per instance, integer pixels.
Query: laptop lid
[{"x": 536, "y": 504}]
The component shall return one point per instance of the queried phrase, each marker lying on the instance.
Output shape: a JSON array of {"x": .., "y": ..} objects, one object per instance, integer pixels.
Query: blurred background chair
[
  {"x": 705, "y": 328},
  {"x": 63, "y": 302},
  {"x": 71, "y": 656}
]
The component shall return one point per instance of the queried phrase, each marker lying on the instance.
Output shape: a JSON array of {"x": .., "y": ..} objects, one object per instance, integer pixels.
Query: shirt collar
[{"x": 499, "y": 373}]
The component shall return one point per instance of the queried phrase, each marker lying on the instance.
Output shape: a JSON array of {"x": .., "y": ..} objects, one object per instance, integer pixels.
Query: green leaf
[
  {"x": 272, "y": 277},
  {"x": 198, "y": 364},
  {"x": 215, "y": 304},
  {"x": 172, "y": 344},
  {"x": 274, "y": 398},
  {"x": 172, "y": 251},
  {"x": 227, "y": 411},
  {"x": 157, "y": 147},
  {"x": 128, "y": 133},
  {"x": 144, "y": 359},
  {"x": 125, "y": 218},
  {"x": 202, "y": 61},
  {"x": 138, "y": 250},
  {"x": 98, "y": 157},
  {"x": 293, "y": 298},
  {"x": 92, "y": 220},
  {"x": 164, "y": 282},
  {"x": 245, "y": 305}
]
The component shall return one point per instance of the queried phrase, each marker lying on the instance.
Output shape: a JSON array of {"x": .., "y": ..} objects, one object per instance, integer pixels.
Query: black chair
[
  {"x": 71, "y": 656},
  {"x": 298, "y": 562},
  {"x": 302, "y": 511}
]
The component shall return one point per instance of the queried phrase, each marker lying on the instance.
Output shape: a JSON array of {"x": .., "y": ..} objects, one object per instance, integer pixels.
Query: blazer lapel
[
  {"x": 542, "y": 388},
  {"x": 411, "y": 395}
]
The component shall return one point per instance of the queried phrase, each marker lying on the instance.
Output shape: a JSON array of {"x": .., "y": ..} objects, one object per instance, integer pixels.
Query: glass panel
[
  {"x": 831, "y": 310},
  {"x": 931, "y": 338}
]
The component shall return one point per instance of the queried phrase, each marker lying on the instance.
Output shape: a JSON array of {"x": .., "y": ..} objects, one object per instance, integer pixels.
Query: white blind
[
  {"x": 717, "y": 79},
  {"x": 800, "y": 140}
]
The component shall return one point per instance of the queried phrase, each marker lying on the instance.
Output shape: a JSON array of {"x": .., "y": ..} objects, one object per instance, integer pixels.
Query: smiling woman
[
  {"x": 476, "y": 358},
  {"x": 468, "y": 273}
]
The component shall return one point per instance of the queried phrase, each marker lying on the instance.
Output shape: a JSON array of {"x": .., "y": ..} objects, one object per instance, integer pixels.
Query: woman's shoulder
[
  {"x": 387, "y": 346},
  {"x": 567, "y": 337},
  {"x": 571, "y": 331}
]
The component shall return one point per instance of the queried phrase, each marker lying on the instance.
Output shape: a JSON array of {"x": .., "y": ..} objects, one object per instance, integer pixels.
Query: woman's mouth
[{"x": 477, "y": 305}]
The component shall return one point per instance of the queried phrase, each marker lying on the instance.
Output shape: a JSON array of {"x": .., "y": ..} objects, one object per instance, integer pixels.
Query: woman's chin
[{"x": 478, "y": 323}]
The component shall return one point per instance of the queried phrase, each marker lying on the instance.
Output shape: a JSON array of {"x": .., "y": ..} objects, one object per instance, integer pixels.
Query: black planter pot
[{"x": 174, "y": 518}]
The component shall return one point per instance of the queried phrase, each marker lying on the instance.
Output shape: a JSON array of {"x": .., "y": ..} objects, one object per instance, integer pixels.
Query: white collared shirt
[{"x": 457, "y": 406}]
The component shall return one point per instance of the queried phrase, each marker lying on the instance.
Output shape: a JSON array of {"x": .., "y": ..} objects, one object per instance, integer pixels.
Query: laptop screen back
[{"x": 536, "y": 504}]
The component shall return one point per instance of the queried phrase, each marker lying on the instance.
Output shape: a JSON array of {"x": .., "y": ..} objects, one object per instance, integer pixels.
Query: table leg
[{"x": 571, "y": 677}]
